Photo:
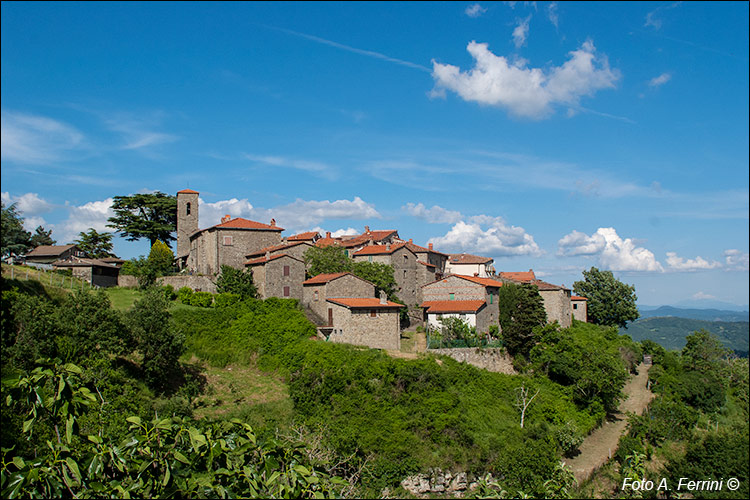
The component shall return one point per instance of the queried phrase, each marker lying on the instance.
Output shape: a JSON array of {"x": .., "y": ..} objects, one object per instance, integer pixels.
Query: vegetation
[
  {"x": 147, "y": 215},
  {"x": 671, "y": 333},
  {"x": 522, "y": 314},
  {"x": 610, "y": 301},
  {"x": 41, "y": 237},
  {"x": 239, "y": 282},
  {"x": 95, "y": 245},
  {"x": 15, "y": 240}
]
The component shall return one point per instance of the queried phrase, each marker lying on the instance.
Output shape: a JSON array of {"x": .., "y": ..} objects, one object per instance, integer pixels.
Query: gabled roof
[
  {"x": 82, "y": 262},
  {"x": 187, "y": 191},
  {"x": 365, "y": 237},
  {"x": 240, "y": 223},
  {"x": 276, "y": 248},
  {"x": 544, "y": 286},
  {"x": 466, "y": 258},
  {"x": 452, "y": 306},
  {"x": 418, "y": 249},
  {"x": 326, "y": 242},
  {"x": 264, "y": 260},
  {"x": 522, "y": 277},
  {"x": 575, "y": 297},
  {"x": 324, "y": 278},
  {"x": 49, "y": 250},
  {"x": 380, "y": 249},
  {"x": 365, "y": 303},
  {"x": 310, "y": 235},
  {"x": 485, "y": 282}
]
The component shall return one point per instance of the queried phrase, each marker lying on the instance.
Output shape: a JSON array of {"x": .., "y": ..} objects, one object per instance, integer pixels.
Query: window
[
  {"x": 491, "y": 297},
  {"x": 369, "y": 259},
  {"x": 228, "y": 241},
  {"x": 316, "y": 294},
  {"x": 452, "y": 296},
  {"x": 373, "y": 313},
  {"x": 286, "y": 270},
  {"x": 286, "y": 291},
  {"x": 575, "y": 306},
  {"x": 187, "y": 209}
]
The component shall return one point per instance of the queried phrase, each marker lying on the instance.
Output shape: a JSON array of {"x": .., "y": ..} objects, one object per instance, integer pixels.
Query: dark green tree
[
  {"x": 161, "y": 258},
  {"x": 330, "y": 259},
  {"x": 152, "y": 216},
  {"x": 380, "y": 275},
  {"x": 521, "y": 312},
  {"x": 236, "y": 281},
  {"x": 95, "y": 245},
  {"x": 41, "y": 237},
  {"x": 160, "y": 345},
  {"x": 611, "y": 302},
  {"x": 15, "y": 239}
]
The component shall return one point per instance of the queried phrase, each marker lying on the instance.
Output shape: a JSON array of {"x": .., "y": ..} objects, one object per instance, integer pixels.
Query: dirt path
[{"x": 601, "y": 444}]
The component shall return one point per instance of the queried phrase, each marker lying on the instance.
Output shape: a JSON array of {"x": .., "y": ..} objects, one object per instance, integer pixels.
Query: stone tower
[{"x": 187, "y": 220}]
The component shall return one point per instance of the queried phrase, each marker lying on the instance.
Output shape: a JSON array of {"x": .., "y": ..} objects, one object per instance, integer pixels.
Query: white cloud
[
  {"x": 30, "y": 206},
  {"x": 660, "y": 80},
  {"x": 36, "y": 139},
  {"x": 736, "y": 260},
  {"x": 703, "y": 296},
  {"x": 350, "y": 231},
  {"x": 676, "y": 263},
  {"x": 434, "y": 215},
  {"x": 652, "y": 18},
  {"x": 525, "y": 92},
  {"x": 552, "y": 13},
  {"x": 498, "y": 239},
  {"x": 475, "y": 10},
  {"x": 613, "y": 252},
  {"x": 315, "y": 167},
  {"x": 81, "y": 218},
  {"x": 210, "y": 214},
  {"x": 520, "y": 32}
]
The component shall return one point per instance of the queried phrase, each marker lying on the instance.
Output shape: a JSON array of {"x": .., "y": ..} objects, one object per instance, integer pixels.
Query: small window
[
  {"x": 373, "y": 313},
  {"x": 575, "y": 306},
  {"x": 452, "y": 296},
  {"x": 369, "y": 259},
  {"x": 316, "y": 294},
  {"x": 491, "y": 297},
  {"x": 286, "y": 291},
  {"x": 187, "y": 209},
  {"x": 228, "y": 241},
  {"x": 286, "y": 270}
]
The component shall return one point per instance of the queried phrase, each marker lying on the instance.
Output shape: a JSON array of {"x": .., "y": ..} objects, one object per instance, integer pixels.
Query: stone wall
[
  {"x": 209, "y": 252},
  {"x": 557, "y": 306},
  {"x": 127, "y": 281},
  {"x": 579, "y": 310},
  {"x": 490, "y": 359},
  {"x": 197, "y": 283},
  {"x": 347, "y": 286},
  {"x": 275, "y": 281},
  {"x": 359, "y": 327},
  {"x": 460, "y": 288}
]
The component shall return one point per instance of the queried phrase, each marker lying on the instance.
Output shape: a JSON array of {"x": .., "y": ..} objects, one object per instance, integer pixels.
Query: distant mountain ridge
[
  {"x": 702, "y": 314},
  {"x": 670, "y": 332}
]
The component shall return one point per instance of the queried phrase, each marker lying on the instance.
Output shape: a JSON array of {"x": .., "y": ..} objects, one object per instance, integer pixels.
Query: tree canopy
[
  {"x": 610, "y": 301},
  {"x": 95, "y": 245},
  {"x": 146, "y": 215},
  {"x": 521, "y": 312},
  {"x": 15, "y": 239},
  {"x": 331, "y": 259},
  {"x": 41, "y": 237},
  {"x": 236, "y": 281}
]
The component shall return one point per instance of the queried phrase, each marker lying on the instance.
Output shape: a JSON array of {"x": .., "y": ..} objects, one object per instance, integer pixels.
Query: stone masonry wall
[
  {"x": 198, "y": 283},
  {"x": 348, "y": 286},
  {"x": 461, "y": 288},
  {"x": 580, "y": 313},
  {"x": 358, "y": 327},
  {"x": 557, "y": 305},
  {"x": 490, "y": 359},
  {"x": 275, "y": 281}
]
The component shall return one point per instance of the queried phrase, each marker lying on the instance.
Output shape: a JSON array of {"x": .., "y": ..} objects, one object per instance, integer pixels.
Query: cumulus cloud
[
  {"x": 613, "y": 252},
  {"x": 703, "y": 296},
  {"x": 210, "y": 214},
  {"x": 434, "y": 215},
  {"x": 660, "y": 80},
  {"x": 520, "y": 32},
  {"x": 350, "y": 231},
  {"x": 676, "y": 263},
  {"x": 523, "y": 91},
  {"x": 27, "y": 138},
  {"x": 737, "y": 260},
  {"x": 93, "y": 214},
  {"x": 475, "y": 10},
  {"x": 498, "y": 239},
  {"x": 30, "y": 206}
]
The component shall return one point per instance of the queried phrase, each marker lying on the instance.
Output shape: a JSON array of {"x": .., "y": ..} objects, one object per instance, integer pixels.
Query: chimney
[
  {"x": 226, "y": 218},
  {"x": 383, "y": 297},
  {"x": 273, "y": 222},
  {"x": 411, "y": 241},
  {"x": 476, "y": 275},
  {"x": 328, "y": 234},
  {"x": 367, "y": 229},
  {"x": 429, "y": 246}
]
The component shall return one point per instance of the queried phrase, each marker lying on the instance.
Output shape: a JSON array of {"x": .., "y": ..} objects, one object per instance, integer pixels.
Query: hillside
[
  {"x": 702, "y": 314},
  {"x": 670, "y": 332}
]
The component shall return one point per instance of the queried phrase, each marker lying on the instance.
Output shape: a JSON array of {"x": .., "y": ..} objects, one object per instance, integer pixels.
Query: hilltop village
[{"x": 432, "y": 284}]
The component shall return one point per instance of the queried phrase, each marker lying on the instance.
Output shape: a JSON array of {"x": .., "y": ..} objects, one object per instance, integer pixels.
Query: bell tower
[{"x": 187, "y": 220}]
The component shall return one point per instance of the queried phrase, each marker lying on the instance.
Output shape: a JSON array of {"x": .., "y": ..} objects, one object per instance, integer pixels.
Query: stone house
[
  {"x": 557, "y": 303},
  {"x": 371, "y": 322},
  {"x": 479, "y": 295},
  {"x": 94, "y": 271},
  {"x": 469, "y": 265},
  {"x": 318, "y": 289},
  {"x": 467, "y": 310},
  {"x": 204, "y": 251},
  {"x": 47, "y": 254},
  {"x": 294, "y": 249},
  {"x": 579, "y": 308},
  {"x": 353, "y": 243},
  {"x": 279, "y": 275},
  {"x": 310, "y": 237},
  {"x": 404, "y": 263}
]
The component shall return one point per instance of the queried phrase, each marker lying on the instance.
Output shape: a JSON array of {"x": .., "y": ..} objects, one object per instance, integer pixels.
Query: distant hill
[
  {"x": 704, "y": 314},
  {"x": 670, "y": 332}
]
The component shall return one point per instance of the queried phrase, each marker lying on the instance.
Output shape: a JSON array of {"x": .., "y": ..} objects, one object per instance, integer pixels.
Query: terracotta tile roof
[
  {"x": 276, "y": 248},
  {"x": 418, "y": 249},
  {"x": 425, "y": 263},
  {"x": 310, "y": 235},
  {"x": 327, "y": 242},
  {"x": 380, "y": 249},
  {"x": 362, "y": 303},
  {"x": 523, "y": 277},
  {"x": 188, "y": 191},
  {"x": 323, "y": 278},
  {"x": 465, "y": 258},
  {"x": 49, "y": 250},
  {"x": 481, "y": 281},
  {"x": 263, "y": 260},
  {"x": 452, "y": 306},
  {"x": 367, "y": 236},
  {"x": 575, "y": 297},
  {"x": 543, "y": 285},
  {"x": 240, "y": 223}
]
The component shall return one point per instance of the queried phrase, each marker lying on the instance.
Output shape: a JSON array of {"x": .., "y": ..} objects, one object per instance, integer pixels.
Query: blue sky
[{"x": 552, "y": 136}]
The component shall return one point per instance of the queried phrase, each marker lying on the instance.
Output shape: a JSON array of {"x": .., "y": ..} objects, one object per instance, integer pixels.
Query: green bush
[
  {"x": 169, "y": 292},
  {"x": 201, "y": 299},
  {"x": 226, "y": 299},
  {"x": 185, "y": 294}
]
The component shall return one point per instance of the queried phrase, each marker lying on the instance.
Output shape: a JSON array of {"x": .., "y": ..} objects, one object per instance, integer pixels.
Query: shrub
[
  {"x": 201, "y": 299},
  {"x": 226, "y": 299},
  {"x": 169, "y": 292},
  {"x": 184, "y": 294}
]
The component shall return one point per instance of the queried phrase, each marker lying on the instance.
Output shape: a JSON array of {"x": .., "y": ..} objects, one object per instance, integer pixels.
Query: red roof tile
[
  {"x": 276, "y": 248},
  {"x": 418, "y": 249},
  {"x": 481, "y": 281},
  {"x": 465, "y": 258},
  {"x": 263, "y": 260},
  {"x": 324, "y": 278},
  {"x": 524, "y": 277},
  {"x": 452, "y": 306},
  {"x": 326, "y": 242},
  {"x": 368, "y": 303},
  {"x": 575, "y": 297},
  {"x": 310, "y": 235},
  {"x": 240, "y": 223},
  {"x": 380, "y": 249},
  {"x": 365, "y": 237},
  {"x": 543, "y": 285},
  {"x": 187, "y": 191}
]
